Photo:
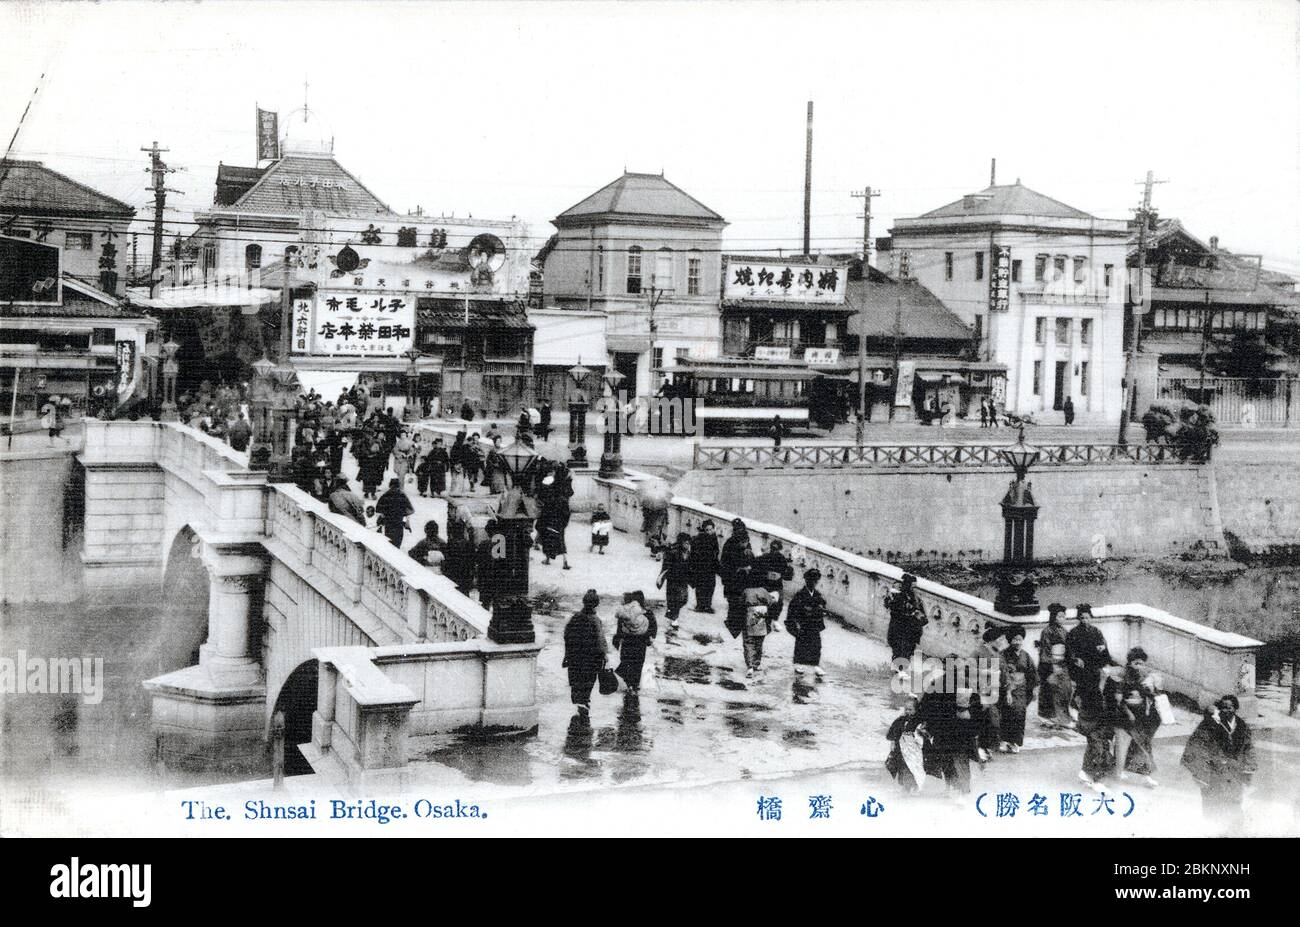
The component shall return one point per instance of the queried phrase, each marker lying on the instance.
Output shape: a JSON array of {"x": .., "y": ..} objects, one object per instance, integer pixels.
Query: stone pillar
[
  {"x": 235, "y": 581},
  {"x": 577, "y": 431}
]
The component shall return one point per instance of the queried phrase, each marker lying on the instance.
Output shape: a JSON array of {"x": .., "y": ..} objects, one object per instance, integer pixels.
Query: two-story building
[
  {"x": 1040, "y": 283},
  {"x": 648, "y": 256},
  {"x": 63, "y": 329},
  {"x": 452, "y": 288}
]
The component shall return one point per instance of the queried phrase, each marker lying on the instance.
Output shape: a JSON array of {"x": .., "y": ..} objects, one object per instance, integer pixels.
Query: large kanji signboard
[
  {"x": 348, "y": 323},
  {"x": 785, "y": 280}
]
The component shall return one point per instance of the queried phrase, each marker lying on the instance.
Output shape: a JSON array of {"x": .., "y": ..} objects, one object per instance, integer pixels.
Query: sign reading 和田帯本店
[{"x": 353, "y": 324}]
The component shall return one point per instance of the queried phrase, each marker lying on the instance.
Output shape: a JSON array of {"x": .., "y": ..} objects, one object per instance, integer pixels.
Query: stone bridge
[
  {"x": 371, "y": 657},
  {"x": 308, "y": 613}
]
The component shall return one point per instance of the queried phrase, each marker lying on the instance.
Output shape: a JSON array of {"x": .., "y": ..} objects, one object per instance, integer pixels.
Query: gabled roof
[
  {"x": 923, "y": 315},
  {"x": 328, "y": 187},
  {"x": 1007, "y": 200},
  {"x": 30, "y": 188},
  {"x": 639, "y": 195}
]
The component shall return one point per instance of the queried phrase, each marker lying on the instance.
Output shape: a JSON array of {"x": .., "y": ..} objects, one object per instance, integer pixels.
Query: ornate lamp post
[
  {"x": 412, "y": 382},
  {"x": 512, "y": 616},
  {"x": 1015, "y": 587},
  {"x": 273, "y": 401},
  {"x": 578, "y": 416},
  {"x": 170, "y": 368},
  {"x": 611, "y": 458}
]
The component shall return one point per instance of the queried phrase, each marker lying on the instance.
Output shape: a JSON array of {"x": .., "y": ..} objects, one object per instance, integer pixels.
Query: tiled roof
[
  {"x": 80, "y": 301},
  {"x": 439, "y": 312},
  {"x": 923, "y": 315},
  {"x": 640, "y": 195},
  {"x": 31, "y": 188},
  {"x": 329, "y": 188},
  {"x": 233, "y": 182},
  {"x": 1007, "y": 200}
]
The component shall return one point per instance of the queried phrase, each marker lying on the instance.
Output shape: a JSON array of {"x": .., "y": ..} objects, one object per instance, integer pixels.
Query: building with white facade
[
  {"x": 648, "y": 256},
  {"x": 1042, "y": 285}
]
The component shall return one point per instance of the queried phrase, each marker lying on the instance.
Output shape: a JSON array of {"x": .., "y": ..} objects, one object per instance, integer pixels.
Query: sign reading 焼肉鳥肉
[
  {"x": 352, "y": 324},
  {"x": 794, "y": 281}
]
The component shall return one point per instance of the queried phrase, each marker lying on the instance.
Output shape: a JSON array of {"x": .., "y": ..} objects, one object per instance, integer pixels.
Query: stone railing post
[
  {"x": 417, "y": 609},
  {"x": 356, "y": 569},
  {"x": 322, "y": 720}
]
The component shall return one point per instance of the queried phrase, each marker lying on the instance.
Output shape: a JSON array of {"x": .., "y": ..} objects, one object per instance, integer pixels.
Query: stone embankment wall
[
  {"x": 1120, "y": 510},
  {"x": 39, "y": 554}
]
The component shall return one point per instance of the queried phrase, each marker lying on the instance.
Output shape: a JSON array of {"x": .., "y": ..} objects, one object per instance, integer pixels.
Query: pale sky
[{"x": 502, "y": 109}]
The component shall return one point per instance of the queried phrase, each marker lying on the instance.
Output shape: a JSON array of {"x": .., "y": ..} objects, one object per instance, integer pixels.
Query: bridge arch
[
  {"x": 297, "y": 702},
  {"x": 186, "y": 590}
]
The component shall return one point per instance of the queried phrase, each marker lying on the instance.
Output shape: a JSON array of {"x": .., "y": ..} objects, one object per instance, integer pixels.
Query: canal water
[{"x": 101, "y": 737}]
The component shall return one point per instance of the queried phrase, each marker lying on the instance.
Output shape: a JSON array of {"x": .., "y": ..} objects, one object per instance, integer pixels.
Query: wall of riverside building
[
  {"x": 35, "y": 563},
  {"x": 1260, "y": 505},
  {"x": 915, "y": 515}
]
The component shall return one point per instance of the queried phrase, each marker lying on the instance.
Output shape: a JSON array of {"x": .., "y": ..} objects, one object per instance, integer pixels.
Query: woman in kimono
[
  {"x": 636, "y": 630},
  {"x": 905, "y": 762},
  {"x": 1053, "y": 673},
  {"x": 1019, "y": 680},
  {"x": 1133, "y": 697},
  {"x": 371, "y": 470}
]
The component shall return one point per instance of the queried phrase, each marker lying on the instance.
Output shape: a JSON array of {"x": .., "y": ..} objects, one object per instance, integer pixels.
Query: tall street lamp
[
  {"x": 578, "y": 416},
  {"x": 272, "y": 404},
  {"x": 611, "y": 458},
  {"x": 511, "y": 541},
  {"x": 1015, "y": 594},
  {"x": 168, "y": 412},
  {"x": 412, "y": 382}
]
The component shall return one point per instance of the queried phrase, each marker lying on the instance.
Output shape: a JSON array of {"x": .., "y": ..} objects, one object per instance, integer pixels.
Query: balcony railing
[{"x": 919, "y": 456}]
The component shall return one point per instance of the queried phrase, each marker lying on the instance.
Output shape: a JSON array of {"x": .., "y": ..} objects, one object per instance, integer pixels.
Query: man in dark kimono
[
  {"x": 703, "y": 567},
  {"x": 906, "y": 619},
  {"x": 675, "y": 576},
  {"x": 584, "y": 652},
  {"x": 1221, "y": 758},
  {"x": 394, "y": 508},
  {"x": 1088, "y": 654},
  {"x": 774, "y": 569},
  {"x": 431, "y": 550},
  {"x": 736, "y": 567}
]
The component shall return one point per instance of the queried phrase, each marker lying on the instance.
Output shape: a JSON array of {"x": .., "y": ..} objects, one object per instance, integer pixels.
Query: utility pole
[
  {"x": 159, "y": 170},
  {"x": 1129, "y": 408},
  {"x": 807, "y": 187},
  {"x": 860, "y": 430},
  {"x": 898, "y": 353}
]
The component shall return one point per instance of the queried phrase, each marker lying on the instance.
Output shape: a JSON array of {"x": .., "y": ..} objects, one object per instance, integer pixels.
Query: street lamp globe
[
  {"x": 579, "y": 374},
  {"x": 518, "y": 457},
  {"x": 1020, "y": 456}
]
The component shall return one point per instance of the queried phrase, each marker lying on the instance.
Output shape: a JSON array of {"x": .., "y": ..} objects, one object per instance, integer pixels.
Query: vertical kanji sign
[
  {"x": 268, "y": 135},
  {"x": 1000, "y": 280}
]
